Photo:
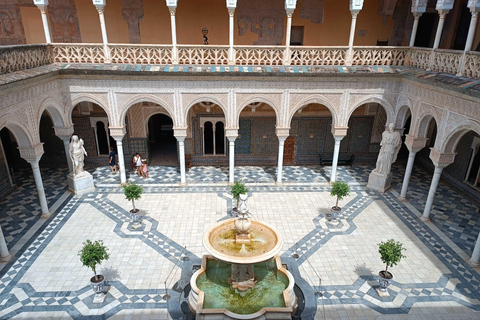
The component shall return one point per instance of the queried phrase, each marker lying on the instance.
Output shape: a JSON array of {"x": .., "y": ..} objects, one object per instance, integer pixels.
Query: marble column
[
  {"x": 336, "y": 152},
  {"x": 281, "y": 143},
  {"x": 231, "y": 52},
  {"x": 231, "y": 159},
  {"x": 6, "y": 164},
  {"x": 441, "y": 21},
  {"x": 174, "y": 34},
  {"x": 286, "y": 54},
  {"x": 66, "y": 146},
  {"x": 181, "y": 152},
  {"x": 471, "y": 31},
  {"x": 39, "y": 184},
  {"x": 440, "y": 160},
  {"x": 417, "y": 16},
  {"x": 351, "y": 38},
  {"x": 408, "y": 174},
  {"x": 121, "y": 159},
  {"x": 43, "y": 9},
  {"x": 4, "y": 254},
  {"x": 475, "y": 259},
  {"x": 100, "y": 10}
]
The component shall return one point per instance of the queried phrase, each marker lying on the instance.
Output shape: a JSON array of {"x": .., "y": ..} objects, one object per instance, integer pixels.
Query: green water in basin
[{"x": 267, "y": 292}]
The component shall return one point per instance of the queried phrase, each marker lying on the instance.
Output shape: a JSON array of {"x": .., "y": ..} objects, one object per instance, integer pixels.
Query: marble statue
[
  {"x": 77, "y": 154},
  {"x": 390, "y": 145}
]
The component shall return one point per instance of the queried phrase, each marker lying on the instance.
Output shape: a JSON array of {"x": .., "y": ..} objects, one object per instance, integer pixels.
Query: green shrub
[
  {"x": 132, "y": 192},
  {"x": 237, "y": 189},
  {"x": 339, "y": 190},
  {"x": 391, "y": 252},
  {"x": 93, "y": 253}
]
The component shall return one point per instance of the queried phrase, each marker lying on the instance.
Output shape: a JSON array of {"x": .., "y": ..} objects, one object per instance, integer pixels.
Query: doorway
[{"x": 162, "y": 142}]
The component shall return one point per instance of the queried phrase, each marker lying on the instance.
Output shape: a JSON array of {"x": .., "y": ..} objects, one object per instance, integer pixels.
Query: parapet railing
[{"x": 17, "y": 58}]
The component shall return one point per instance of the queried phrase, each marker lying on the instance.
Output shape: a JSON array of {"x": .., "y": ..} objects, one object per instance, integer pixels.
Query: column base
[
  {"x": 45, "y": 216},
  {"x": 80, "y": 184},
  {"x": 403, "y": 199},
  {"x": 379, "y": 182},
  {"x": 474, "y": 264},
  {"x": 424, "y": 219},
  {"x": 6, "y": 258}
]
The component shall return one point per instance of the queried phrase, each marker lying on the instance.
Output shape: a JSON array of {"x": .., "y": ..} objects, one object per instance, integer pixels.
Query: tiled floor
[{"x": 335, "y": 265}]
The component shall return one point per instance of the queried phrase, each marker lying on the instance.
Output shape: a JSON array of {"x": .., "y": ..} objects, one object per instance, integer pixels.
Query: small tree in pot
[
  {"x": 237, "y": 189},
  {"x": 132, "y": 192},
  {"x": 339, "y": 190},
  {"x": 391, "y": 252},
  {"x": 91, "y": 255}
]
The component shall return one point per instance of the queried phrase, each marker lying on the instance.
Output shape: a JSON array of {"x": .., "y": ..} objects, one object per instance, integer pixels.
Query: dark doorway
[
  {"x": 426, "y": 28},
  {"x": 403, "y": 153},
  {"x": 163, "y": 145},
  {"x": 462, "y": 28},
  {"x": 102, "y": 139},
  {"x": 219, "y": 138}
]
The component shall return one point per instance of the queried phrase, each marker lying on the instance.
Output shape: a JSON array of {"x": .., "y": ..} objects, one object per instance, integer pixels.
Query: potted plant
[
  {"x": 391, "y": 252},
  {"x": 132, "y": 192},
  {"x": 91, "y": 255},
  {"x": 339, "y": 190},
  {"x": 237, "y": 189}
]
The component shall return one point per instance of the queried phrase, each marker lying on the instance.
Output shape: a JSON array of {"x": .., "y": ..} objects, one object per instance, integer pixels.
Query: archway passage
[{"x": 162, "y": 142}]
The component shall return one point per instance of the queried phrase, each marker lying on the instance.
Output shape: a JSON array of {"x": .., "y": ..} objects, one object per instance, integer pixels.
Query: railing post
[
  {"x": 172, "y": 7},
  {"x": 231, "y": 5},
  {"x": 289, "y": 8}
]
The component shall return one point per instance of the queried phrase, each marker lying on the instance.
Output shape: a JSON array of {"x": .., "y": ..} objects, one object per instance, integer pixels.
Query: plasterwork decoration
[
  {"x": 299, "y": 100},
  {"x": 125, "y": 101},
  {"x": 457, "y": 127},
  {"x": 100, "y": 99},
  {"x": 64, "y": 21},
  {"x": 312, "y": 10},
  {"x": 31, "y": 153},
  {"x": 180, "y": 133},
  {"x": 423, "y": 117},
  {"x": 265, "y": 18},
  {"x": 282, "y": 132},
  {"x": 63, "y": 131},
  {"x": 132, "y": 13},
  {"x": 190, "y": 99},
  {"x": 274, "y": 100},
  {"x": 11, "y": 28},
  {"x": 440, "y": 159},
  {"x": 339, "y": 131},
  {"x": 415, "y": 144},
  {"x": 117, "y": 132},
  {"x": 52, "y": 105},
  {"x": 138, "y": 116},
  {"x": 358, "y": 99}
]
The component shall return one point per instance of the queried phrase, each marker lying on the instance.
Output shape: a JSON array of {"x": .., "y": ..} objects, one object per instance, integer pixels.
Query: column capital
[
  {"x": 356, "y": 6},
  {"x": 63, "y": 132},
  {"x": 417, "y": 15},
  {"x": 444, "y": 6},
  {"x": 419, "y": 6},
  {"x": 117, "y": 133},
  {"x": 415, "y": 144},
  {"x": 32, "y": 154},
  {"x": 231, "y": 12},
  {"x": 231, "y": 133},
  {"x": 172, "y": 10},
  {"x": 474, "y": 6},
  {"x": 282, "y": 132},
  {"x": 443, "y": 13},
  {"x": 339, "y": 132},
  {"x": 441, "y": 159},
  {"x": 289, "y": 12},
  {"x": 180, "y": 133}
]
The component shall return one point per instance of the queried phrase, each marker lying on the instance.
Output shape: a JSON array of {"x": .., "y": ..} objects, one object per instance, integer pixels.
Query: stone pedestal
[
  {"x": 379, "y": 182},
  {"x": 81, "y": 183}
]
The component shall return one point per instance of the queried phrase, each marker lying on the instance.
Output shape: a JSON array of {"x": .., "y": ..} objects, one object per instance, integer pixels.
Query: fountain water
[{"x": 243, "y": 277}]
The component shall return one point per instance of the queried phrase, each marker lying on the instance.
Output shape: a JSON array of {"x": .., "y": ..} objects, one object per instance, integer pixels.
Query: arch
[
  {"x": 145, "y": 98},
  {"x": 20, "y": 133},
  {"x": 389, "y": 110},
  {"x": 54, "y": 111},
  {"x": 423, "y": 125},
  {"x": 402, "y": 115},
  {"x": 204, "y": 98},
  {"x": 89, "y": 98},
  {"x": 255, "y": 99},
  {"x": 155, "y": 113},
  {"x": 453, "y": 138},
  {"x": 313, "y": 99}
]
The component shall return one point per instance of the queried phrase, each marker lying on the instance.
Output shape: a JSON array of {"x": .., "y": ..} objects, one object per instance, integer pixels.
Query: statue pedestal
[
  {"x": 80, "y": 184},
  {"x": 379, "y": 182}
]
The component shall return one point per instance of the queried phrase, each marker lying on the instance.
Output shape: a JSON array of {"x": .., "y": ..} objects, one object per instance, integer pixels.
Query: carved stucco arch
[
  {"x": 76, "y": 99},
  {"x": 146, "y": 98},
  {"x": 421, "y": 120},
  {"x": 205, "y": 98},
  {"x": 21, "y": 134},
  {"x": 403, "y": 111},
  {"x": 387, "y": 106},
  {"x": 256, "y": 99},
  {"x": 324, "y": 101},
  {"x": 55, "y": 111},
  {"x": 449, "y": 144}
]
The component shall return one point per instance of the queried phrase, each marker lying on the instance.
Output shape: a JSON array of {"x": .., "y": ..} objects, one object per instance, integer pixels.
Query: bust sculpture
[
  {"x": 77, "y": 155},
  {"x": 390, "y": 145}
]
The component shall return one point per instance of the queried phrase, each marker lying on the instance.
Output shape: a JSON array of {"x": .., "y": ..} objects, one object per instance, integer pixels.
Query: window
[{"x": 213, "y": 130}]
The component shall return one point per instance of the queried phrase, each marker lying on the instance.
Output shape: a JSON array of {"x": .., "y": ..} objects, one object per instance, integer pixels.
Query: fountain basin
[
  {"x": 201, "y": 302},
  {"x": 220, "y": 242}
]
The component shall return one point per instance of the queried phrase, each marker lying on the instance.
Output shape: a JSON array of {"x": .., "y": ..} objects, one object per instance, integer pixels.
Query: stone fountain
[{"x": 243, "y": 277}]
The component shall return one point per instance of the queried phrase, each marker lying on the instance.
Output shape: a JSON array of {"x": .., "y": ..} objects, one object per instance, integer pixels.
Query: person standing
[
  {"x": 112, "y": 162},
  {"x": 138, "y": 164}
]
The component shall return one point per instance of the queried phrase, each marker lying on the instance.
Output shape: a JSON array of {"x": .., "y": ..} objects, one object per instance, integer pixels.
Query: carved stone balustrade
[{"x": 22, "y": 57}]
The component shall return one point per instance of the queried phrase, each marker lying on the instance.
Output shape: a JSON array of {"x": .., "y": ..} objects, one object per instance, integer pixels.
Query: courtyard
[{"x": 149, "y": 269}]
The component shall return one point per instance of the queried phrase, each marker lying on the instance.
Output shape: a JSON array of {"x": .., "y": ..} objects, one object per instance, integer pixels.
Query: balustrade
[
  {"x": 22, "y": 57},
  {"x": 16, "y": 58}
]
